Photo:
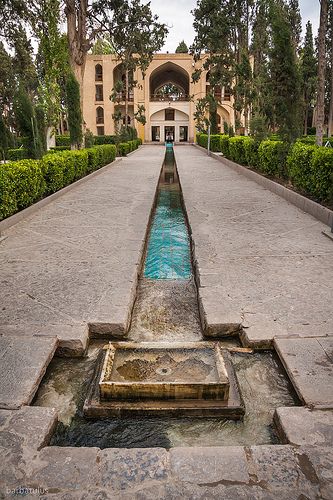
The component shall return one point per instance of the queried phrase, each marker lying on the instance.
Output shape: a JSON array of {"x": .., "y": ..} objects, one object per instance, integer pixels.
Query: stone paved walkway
[{"x": 263, "y": 265}]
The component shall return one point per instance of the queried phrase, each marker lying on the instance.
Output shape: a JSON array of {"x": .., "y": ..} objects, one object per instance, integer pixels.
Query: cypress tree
[
  {"x": 285, "y": 76},
  {"x": 74, "y": 111},
  {"x": 26, "y": 122},
  {"x": 182, "y": 48},
  {"x": 308, "y": 74}
]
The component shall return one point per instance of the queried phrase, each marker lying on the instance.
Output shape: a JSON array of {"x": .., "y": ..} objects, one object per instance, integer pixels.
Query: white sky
[{"x": 177, "y": 15}]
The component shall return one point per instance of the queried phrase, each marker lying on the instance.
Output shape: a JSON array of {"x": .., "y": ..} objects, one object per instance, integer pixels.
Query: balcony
[
  {"x": 165, "y": 98},
  {"x": 121, "y": 96}
]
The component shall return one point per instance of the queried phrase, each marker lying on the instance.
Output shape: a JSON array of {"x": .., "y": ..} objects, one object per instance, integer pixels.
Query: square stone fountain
[{"x": 163, "y": 379}]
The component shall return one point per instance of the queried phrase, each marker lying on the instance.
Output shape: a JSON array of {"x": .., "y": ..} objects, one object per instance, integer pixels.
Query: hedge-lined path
[
  {"x": 75, "y": 261},
  {"x": 263, "y": 264}
]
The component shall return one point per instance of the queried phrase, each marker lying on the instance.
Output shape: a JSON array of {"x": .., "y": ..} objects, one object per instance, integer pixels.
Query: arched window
[
  {"x": 98, "y": 73},
  {"x": 99, "y": 115}
]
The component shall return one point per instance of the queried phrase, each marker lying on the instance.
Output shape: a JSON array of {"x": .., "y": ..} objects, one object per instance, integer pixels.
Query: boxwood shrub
[
  {"x": 251, "y": 147},
  {"x": 104, "y": 139},
  {"x": 299, "y": 164},
  {"x": 60, "y": 148},
  {"x": 123, "y": 148},
  {"x": 272, "y": 158},
  {"x": 237, "y": 150},
  {"x": 21, "y": 184},
  {"x": 224, "y": 145},
  {"x": 17, "y": 154},
  {"x": 322, "y": 174},
  {"x": 63, "y": 140}
]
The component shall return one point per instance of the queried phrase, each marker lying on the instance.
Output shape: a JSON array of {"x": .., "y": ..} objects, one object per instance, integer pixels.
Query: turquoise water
[{"x": 168, "y": 252}]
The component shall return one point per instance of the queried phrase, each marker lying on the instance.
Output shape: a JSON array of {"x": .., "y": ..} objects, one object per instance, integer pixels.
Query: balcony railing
[
  {"x": 165, "y": 98},
  {"x": 122, "y": 95}
]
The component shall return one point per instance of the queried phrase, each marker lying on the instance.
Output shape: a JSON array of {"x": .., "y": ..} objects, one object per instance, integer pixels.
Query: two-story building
[{"x": 167, "y": 93}]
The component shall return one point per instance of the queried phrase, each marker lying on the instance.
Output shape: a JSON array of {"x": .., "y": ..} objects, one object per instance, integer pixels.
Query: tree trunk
[
  {"x": 330, "y": 117},
  {"x": 321, "y": 74},
  {"x": 78, "y": 44},
  {"x": 126, "y": 98},
  {"x": 306, "y": 116}
]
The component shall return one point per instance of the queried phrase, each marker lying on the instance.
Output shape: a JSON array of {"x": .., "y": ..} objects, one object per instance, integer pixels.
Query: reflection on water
[{"x": 263, "y": 384}]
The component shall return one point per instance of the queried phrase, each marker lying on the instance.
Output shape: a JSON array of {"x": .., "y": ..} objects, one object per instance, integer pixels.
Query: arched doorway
[
  {"x": 169, "y": 82},
  {"x": 169, "y": 125}
]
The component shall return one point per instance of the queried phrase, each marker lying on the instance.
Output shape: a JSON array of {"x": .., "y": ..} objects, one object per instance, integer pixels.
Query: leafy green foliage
[
  {"x": 182, "y": 48},
  {"x": 74, "y": 111},
  {"x": 17, "y": 154},
  {"x": 105, "y": 139},
  {"x": 272, "y": 158},
  {"x": 299, "y": 165},
  {"x": 123, "y": 148},
  {"x": 63, "y": 140},
  {"x": 237, "y": 150},
  {"x": 21, "y": 184},
  {"x": 26, "y": 122},
  {"x": 251, "y": 147},
  {"x": 322, "y": 173},
  {"x": 224, "y": 145}
]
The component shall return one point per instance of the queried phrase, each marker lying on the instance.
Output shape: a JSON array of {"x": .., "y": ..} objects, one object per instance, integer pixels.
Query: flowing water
[
  {"x": 166, "y": 309},
  {"x": 263, "y": 383}
]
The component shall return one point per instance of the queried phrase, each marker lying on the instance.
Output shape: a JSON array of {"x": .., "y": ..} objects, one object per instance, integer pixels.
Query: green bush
[
  {"x": 77, "y": 160},
  {"x": 60, "y": 148},
  {"x": 272, "y": 158},
  {"x": 104, "y": 139},
  {"x": 215, "y": 143},
  {"x": 53, "y": 172},
  {"x": 224, "y": 145},
  {"x": 237, "y": 150},
  {"x": 8, "y": 204},
  {"x": 322, "y": 173},
  {"x": 63, "y": 140},
  {"x": 139, "y": 141},
  {"x": 202, "y": 140},
  {"x": 17, "y": 154},
  {"x": 251, "y": 147},
  {"x": 123, "y": 148},
  {"x": 21, "y": 184},
  {"x": 299, "y": 164}
]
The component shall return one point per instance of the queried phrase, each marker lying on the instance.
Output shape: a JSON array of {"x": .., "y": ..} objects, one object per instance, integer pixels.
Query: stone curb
[
  {"x": 317, "y": 211},
  {"x": 27, "y": 212}
]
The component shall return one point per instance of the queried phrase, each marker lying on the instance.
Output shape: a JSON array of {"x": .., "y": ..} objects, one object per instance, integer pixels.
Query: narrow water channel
[{"x": 166, "y": 309}]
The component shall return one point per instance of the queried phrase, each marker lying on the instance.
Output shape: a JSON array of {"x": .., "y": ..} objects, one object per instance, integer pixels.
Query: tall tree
[
  {"x": 182, "y": 48},
  {"x": 74, "y": 111},
  {"x": 295, "y": 21},
  {"x": 285, "y": 76},
  {"x": 136, "y": 35},
  {"x": 26, "y": 121},
  {"x": 330, "y": 68},
  {"x": 308, "y": 74},
  {"x": 320, "y": 108}
]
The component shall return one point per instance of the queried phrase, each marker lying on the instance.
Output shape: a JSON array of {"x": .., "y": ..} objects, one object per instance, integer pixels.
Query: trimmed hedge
[
  {"x": 123, "y": 148},
  {"x": 63, "y": 140},
  {"x": 104, "y": 139},
  {"x": 299, "y": 165},
  {"x": 251, "y": 147},
  {"x": 24, "y": 182},
  {"x": 322, "y": 173},
  {"x": 60, "y": 148},
  {"x": 17, "y": 154},
  {"x": 224, "y": 145},
  {"x": 21, "y": 184},
  {"x": 272, "y": 158},
  {"x": 237, "y": 150},
  {"x": 202, "y": 140}
]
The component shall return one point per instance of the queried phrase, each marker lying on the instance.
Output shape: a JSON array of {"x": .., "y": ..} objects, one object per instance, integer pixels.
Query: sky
[{"x": 177, "y": 15}]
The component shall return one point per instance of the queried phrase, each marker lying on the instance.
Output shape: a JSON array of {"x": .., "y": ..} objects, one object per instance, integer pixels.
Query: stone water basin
[{"x": 176, "y": 371}]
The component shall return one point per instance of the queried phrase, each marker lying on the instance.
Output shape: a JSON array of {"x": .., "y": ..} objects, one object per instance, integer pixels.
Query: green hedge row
[
  {"x": 16, "y": 154},
  {"x": 104, "y": 139},
  {"x": 309, "y": 167},
  {"x": 123, "y": 148},
  {"x": 26, "y": 181}
]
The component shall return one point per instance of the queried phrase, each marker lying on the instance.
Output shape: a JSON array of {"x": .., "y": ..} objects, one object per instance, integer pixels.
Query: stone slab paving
[
  {"x": 300, "y": 426},
  {"x": 309, "y": 367},
  {"x": 75, "y": 261},
  {"x": 258, "y": 472},
  {"x": 262, "y": 262},
  {"x": 23, "y": 362}
]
